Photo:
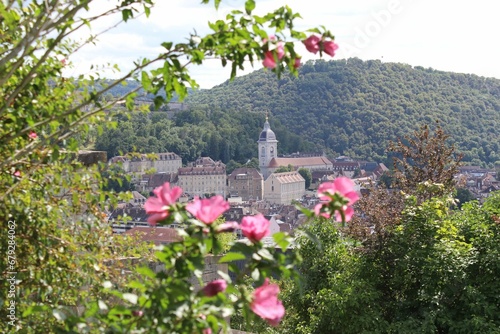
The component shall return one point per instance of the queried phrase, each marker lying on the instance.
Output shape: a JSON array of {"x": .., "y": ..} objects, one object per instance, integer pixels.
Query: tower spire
[{"x": 267, "y": 114}]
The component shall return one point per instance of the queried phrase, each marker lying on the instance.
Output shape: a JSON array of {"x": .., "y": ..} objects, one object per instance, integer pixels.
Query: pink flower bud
[
  {"x": 269, "y": 61},
  {"x": 214, "y": 287},
  {"x": 329, "y": 47},
  {"x": 136, "y": 313},
  {"x": 312, "y": 43}
]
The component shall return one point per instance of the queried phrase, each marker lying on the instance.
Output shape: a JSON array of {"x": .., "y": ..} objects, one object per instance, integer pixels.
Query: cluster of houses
[
  {"x": 479, "y": 181},
  {"x": 251, "y": 191},
  {"x": 248, "y": 190}
]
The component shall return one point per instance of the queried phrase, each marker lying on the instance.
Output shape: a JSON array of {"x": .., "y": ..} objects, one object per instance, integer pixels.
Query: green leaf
[
  {"x": 249, "y": 6},
  {"x": 231, "y": 256},
  {"x": 146, "y": 271},
  {"x": 32, "y": 309},
  {"x": 281, "y": 239}
]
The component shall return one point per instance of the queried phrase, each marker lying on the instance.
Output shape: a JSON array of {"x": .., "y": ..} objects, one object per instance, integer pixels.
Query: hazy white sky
[{"x": 458, "y": 36}]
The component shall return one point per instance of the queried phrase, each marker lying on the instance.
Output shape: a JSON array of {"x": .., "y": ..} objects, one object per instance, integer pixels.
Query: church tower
[{"x": 268, "y": 148}]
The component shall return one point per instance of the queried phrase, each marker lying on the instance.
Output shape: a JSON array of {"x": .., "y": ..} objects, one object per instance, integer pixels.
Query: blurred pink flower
[
  {"x": 17, "y": 173},
  {"x": 312, "y": 43},
  {"x": 330, "y": 47},
  {"x": 269, "y": 55},
  {"x": 158, "y": 206},
  {"x": 208, "y": 210},
  {"x": 265, "y": 303},
  {"x": 207, "y": 331},
  {"x": 269, "y": 61},
  {"x": 342, "y": 185},
  {"x": 33, "y": 135},
  {"x": 214, "y": 287},
  {"x": 317, "y": 211},
  {"x": 255, "y": 227}
]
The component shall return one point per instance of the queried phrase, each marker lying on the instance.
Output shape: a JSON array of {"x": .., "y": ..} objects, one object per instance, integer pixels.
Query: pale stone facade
[
  {"x": 204, "y": 179},
  {"x": 164, "y": 163},
  {"x": 282, "y": 188}
]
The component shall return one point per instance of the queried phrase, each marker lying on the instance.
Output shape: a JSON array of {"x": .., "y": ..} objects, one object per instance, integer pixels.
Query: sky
[{"x": 456, "y": 36}]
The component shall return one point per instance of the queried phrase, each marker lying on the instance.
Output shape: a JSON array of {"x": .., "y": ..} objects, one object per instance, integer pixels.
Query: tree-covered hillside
[{"x": 354, "y": 107}]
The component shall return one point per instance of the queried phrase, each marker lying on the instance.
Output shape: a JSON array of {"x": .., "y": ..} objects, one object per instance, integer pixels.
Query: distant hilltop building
[
  {"x": 269, "y": 160},
  {"x": 164, "y": 162}
]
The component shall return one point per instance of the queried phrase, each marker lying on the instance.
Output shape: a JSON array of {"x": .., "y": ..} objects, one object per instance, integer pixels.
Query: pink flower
[
  {"x": 269, "y": 55},
  {"x": 348, "y": 213},
  {"x": 208, "y": 210},
  {"x": 255, "y": 227},
  {"x": 312, "y": 43},
  {"x": 269, "y": 61},
  {"x": 317, "y": 211},
  {"x": 265, "y": 303},
  {"x": 158, "y": 206},
  {"x": 329, "y": 47},
  {"x": 214, "y": 287},
  {"x": 33, "y": 135},
  {"x": 17, "y": 173},
  {"x": 342, "y": 185},
  {"x": 136, "y": 313},
  {"x": 227, "y": 227},
  {"x": 207, "y": 331}
]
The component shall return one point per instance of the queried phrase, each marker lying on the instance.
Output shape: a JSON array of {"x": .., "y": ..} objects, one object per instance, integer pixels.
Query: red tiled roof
[{"x": 299, "y": 162}]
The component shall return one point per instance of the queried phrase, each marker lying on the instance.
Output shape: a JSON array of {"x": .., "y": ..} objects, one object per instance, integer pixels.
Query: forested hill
[{"x": 354, "y": 107}]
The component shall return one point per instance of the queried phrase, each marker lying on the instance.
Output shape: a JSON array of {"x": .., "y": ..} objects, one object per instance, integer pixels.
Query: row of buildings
[{"x": 206, "y": 177}]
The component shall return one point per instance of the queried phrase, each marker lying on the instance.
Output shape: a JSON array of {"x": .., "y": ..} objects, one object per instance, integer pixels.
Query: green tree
[
  {"x": 332, "y": 296},
  {"x": 463, "y": 196},
  {"x": 283, "y": 169},
  {"x": 426, "y": 158},
  {"x": 306, "y": 174}
]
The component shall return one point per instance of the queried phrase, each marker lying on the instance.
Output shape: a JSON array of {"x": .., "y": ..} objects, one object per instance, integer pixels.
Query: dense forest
[
  {"x": 220, "y": 135},
  {"x": 351, "y": 107}
]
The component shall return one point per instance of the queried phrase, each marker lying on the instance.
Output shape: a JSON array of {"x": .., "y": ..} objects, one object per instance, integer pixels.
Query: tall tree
[{"x": 428, "y": 158}]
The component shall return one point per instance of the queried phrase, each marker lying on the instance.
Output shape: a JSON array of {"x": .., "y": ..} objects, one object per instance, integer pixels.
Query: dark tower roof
[{"x": 267, "y": 134}]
